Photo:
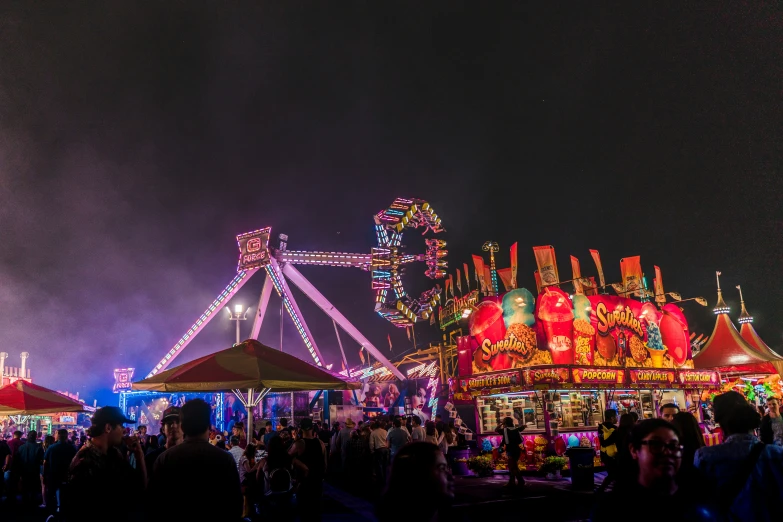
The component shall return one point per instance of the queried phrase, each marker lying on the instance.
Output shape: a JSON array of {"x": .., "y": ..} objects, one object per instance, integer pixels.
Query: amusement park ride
[{"x": 384, "y": 262}]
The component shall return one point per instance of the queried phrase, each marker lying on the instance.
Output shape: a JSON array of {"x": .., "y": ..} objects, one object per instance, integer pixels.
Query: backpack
[
  {"x": 514, "y": 440},
  {"x": 611, "y": 449}
]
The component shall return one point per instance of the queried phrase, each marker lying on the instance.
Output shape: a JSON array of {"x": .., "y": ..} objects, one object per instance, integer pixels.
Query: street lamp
[{"x": 237, "y": 315}]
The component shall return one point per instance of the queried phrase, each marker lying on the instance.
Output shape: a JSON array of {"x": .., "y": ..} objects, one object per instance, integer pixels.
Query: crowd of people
[
  {"x": 189, "y": 469},
  {"x": 665, "y": 462}
]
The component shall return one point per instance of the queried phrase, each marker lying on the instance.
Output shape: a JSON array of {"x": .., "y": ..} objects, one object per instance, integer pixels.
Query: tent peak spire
[
  {"x": 720, "y": 307},
  {"x": 744, "y": 317}
]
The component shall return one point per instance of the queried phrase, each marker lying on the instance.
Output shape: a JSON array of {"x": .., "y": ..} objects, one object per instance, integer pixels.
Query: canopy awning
[
  {"x": 25, "y": 398},
  {"x": 248, "y": 365}
]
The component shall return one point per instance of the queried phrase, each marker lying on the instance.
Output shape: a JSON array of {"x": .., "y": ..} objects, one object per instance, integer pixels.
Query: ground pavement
[
  {"x": 476, "y": 499},
  {"x": 485, "y": 498}
]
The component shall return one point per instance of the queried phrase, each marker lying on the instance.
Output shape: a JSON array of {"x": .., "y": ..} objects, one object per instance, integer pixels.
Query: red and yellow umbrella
[
  {"x": 24, "y": 398},
  {"x": 248, "y": 365}
]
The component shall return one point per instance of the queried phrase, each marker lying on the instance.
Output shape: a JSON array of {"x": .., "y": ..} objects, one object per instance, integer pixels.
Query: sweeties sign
[{"x": 556, "y": 329}]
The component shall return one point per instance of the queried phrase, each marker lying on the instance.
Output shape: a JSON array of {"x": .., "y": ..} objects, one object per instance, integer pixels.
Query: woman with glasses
[{"x": 653, "y": 491}]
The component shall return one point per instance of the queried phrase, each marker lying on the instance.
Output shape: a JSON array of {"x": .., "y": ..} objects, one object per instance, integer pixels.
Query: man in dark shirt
[
  {"x": 311, "y": 451},
  {"x": 57, "y": 460},
  {"x": 170, "y": 424},
  {"x": 197, "y": 477},
  {"x": 30, "y": 457},
  {"x": 5, "y": 462},
  {"x": 100, "y": 476}
]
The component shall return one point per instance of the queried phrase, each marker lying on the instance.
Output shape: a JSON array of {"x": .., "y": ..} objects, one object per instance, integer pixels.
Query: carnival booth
[
  {"x": 556, "y": 361},
  {"x": 743, "y": 359}
]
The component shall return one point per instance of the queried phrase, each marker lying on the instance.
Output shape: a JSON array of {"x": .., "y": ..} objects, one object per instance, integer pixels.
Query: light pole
[
  {"x": 237, "y": 315},
  {"x": 492, "y": 247}
]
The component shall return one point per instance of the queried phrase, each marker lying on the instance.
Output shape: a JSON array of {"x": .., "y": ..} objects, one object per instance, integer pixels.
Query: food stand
[{"x": 554, "y": 363}]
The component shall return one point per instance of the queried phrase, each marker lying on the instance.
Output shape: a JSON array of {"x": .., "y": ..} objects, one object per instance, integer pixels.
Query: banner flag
[
  {"x": 514, "y": 265},
  {"x": 547, "y": 265},
  {"x": 505, "y": 275},
  {"x": 576, "y": 273},
  {"x": 597, "y": 259},
  {"x": 631, "y": 270}
]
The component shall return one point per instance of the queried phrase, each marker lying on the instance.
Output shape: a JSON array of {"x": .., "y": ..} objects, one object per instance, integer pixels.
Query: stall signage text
[
  {"x": 548, "y": 376},
  {"x": 703, "y": 378},
  {"x": 617, "y": 318},
  {"x": 510, "y": 344},
  {"x": 652, "y": 376},
  {"x": 493, "y": 380},
  {"x": 598, "y": 375}
]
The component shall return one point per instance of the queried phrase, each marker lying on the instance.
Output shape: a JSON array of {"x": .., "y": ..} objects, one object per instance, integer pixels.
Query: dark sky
[{"x": 138, "y": 138}]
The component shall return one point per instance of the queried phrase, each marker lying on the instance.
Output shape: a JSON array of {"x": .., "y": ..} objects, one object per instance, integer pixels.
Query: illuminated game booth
[{"x": 554, "y": 362}]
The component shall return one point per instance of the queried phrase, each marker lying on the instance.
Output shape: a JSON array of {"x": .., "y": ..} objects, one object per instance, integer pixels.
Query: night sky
[{"x": 138, "y": 138}]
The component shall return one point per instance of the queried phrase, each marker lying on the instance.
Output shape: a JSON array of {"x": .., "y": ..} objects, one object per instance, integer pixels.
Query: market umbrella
[
  {"x": 25, "y": 398},
  {"x": 249, "y": 366}
]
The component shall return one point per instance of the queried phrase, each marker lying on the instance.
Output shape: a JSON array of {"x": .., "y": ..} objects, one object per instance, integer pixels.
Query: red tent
[
  {"x": 750, "y": 336},
  {"x": 728, "y": 352},
  {"x": 24, "y": 398}
]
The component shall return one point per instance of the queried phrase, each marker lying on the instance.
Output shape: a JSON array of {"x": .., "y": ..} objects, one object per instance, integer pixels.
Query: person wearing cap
[
  {"x": 100, "y": 476},
  {"x": 195, "y": 478},
  {"x": 745, "y": 474},
  {"x": 173, "y": 432}
]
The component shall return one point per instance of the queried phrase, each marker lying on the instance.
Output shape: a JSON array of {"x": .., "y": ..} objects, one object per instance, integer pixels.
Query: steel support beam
[{"x": 310, "y": 291}]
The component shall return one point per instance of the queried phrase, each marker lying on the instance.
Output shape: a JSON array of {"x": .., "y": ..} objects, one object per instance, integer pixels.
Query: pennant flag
[
  {"x": 547, "y": 265},
  {"x": 488, "y": 280},
  {"x": 588, "y": 285},
  {"x": 467, "y": 275},
  {"x": 660, "y": 295},
  {"x": 459, "y": 282},
  {"x": 538, "y": 281},
  {"x": 597, "y": 260},
  {"x": 388, "y": 336},
  {"x": 451, "y": 284},
  {"x": 361, "y": 354},
  {"x": 505, "y": 276},
  {"x": 478, "y": 264},
  {"x": 432, "y": 319},
  {"x": 514, "y": 265},
  {"x": 448, "y": 283},
  {"x": 631, "y": 270},
  {"x": 576, "y": 272}
]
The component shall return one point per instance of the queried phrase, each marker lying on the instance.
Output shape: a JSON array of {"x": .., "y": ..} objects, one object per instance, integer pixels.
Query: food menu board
[{"x": 554, "y": 328}]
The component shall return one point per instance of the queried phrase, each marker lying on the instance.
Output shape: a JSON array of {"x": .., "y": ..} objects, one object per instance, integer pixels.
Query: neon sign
[
  {"x": 253, "y": 249},
  {"x": 423, "y": 370},
  {"x": 123, "y": 379}
]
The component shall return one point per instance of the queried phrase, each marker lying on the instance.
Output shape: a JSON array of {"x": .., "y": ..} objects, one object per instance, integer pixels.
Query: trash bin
[
  {"x": 580, "y": 462},
  {"x": 460, "y": 464}
]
